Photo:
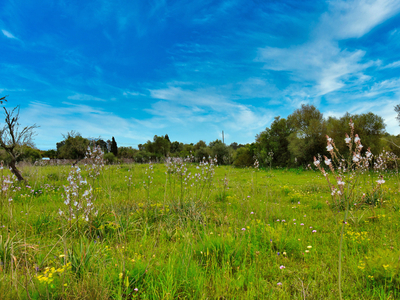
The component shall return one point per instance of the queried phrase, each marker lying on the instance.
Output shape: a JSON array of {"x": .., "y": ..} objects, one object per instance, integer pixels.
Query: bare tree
[{"x": 12, "y": 138}]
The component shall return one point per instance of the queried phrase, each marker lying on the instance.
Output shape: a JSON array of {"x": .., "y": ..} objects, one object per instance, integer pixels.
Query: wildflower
[
  {"x": 316, "y": 162},
  {"x": 309, "y": 247},
  {"x": 368, "y": 154},
  {"x": 243, "y": 229},
  {"x": 356, "y": 139},
  {"x": 284, "y": 253},
  {"x": 252, "y": 213},
  {"x": 329, "y": 147},
  {"x": 279, "y": 283},
  {"x": 314, "y": 231},
  {"x": 136, "y": 289},
  {"x": 306, "y": 251},
  {"x": 340, "y": 182},
  {"x": 302, "y": 224},
  {"x": 282, "y": 267},
  {"x": 347, "y": 139},
  {"x": 380, "y": 181},
  {"x": 327, "y": 161}
]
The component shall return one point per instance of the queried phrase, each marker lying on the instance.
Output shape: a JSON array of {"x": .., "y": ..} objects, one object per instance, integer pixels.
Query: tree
[
  {"x": 114, "y": 147},
  {"x": 73, "y": 146},
  {"x": 12, "y": 139},
  {"x": 309, "y": 136},
  {"x": 243, "y": 157},
  {"x": 103, "y": 144},
  {"x": 370, "y": 128},
  {"x": 274, "y": 140},
  {"x": 161, "y": 145},
  {"x": 50, "y": 154},
  {"x": 221, "y": 152},
  {"x": 176, "y": 147}
]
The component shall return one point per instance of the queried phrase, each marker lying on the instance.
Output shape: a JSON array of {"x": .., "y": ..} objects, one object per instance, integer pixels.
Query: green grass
[{"x": 217, "y": 239}]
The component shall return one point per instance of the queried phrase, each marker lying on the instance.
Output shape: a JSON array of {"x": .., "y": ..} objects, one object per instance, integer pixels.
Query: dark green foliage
[
  {"x": 127, "y": 152},
  {"x": 110, "y": 158},
  {"x": 243, "y": 157},
  {"x": 221, "y": 152},
  {"x": 102, "y": 144},
  {"x": 274, "y": 140},
  {"x": 202, "y": 153},
  {"x": 73, "y": 146},
  {"x": 309, "y": 135},
  {"x": 114, "y": 147},
  {"x": 176, "y": 147},
  {"x": 370, "y": 128},
  {"x": 50, "y": 153}
]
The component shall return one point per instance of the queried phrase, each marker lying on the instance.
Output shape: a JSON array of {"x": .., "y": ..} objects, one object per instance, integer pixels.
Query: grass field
[{"x": 151, "y": 233}]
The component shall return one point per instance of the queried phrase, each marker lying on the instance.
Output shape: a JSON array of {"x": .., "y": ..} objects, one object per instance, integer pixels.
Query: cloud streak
[{"x": 8, "y": 34}]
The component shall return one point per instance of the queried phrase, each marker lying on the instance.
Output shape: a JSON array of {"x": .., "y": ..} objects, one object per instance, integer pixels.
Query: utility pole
[{"x": 223, "y": 141}]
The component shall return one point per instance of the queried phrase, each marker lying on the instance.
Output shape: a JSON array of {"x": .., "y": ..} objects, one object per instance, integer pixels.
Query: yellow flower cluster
[
  {"x": 357, "y": 237},
  {"x": 48, "y": 274}
]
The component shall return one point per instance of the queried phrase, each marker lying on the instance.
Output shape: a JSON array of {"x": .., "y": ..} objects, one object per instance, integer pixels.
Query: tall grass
[{"x": 198, "y": 231}]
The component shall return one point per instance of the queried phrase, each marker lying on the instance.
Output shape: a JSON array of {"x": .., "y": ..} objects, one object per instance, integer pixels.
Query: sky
[{"x": 192, "y": 68}]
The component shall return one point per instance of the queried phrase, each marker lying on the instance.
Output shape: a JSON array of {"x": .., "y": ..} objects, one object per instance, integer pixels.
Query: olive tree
[{"x": 12, "y": 138}]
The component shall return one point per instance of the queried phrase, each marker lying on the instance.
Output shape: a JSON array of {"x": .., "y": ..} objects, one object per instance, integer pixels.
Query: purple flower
[
  {"x": 243, "y": 229},
  {"x": 135, "y": 289},
  {"x": 314, "y": 231},
  {"x": 278, "y": 253},
  {"x": 282, "y": 267},
  {"x": 279, "y": 283},
  {"x": 252, "y": 213},
  {"x": 302, "y": 224}
]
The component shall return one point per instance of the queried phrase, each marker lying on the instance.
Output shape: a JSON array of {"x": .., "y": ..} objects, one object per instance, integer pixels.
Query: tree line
[{"x": 288, "y": 142}]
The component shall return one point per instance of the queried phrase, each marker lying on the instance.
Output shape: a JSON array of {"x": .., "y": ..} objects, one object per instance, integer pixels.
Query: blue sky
[{"x": 190, "y": 69}]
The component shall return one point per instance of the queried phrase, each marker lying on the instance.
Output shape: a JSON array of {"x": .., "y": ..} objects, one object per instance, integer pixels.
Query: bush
[
  {"x": 243, "y": 158},
  {"x": 110, "y": 158}
]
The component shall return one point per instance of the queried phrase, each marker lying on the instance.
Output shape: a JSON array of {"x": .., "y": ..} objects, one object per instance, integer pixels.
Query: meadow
[{"x": 183, "y": 230}]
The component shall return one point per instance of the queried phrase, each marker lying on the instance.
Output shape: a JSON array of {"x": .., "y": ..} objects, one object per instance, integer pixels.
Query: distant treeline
[{"x": 289, "y": 142}]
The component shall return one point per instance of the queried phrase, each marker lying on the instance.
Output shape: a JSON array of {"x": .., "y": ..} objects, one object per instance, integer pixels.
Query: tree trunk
[{"x": 15, "y": 171}]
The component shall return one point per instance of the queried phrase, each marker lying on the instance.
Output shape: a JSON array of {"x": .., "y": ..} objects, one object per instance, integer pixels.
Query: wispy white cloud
[
  {"x": 392, "y": 65},
  {"x": 320, "y": 61},
  {"x": 88, "y": 121},
  {"x": 8, "y": 34},
  {"x": 85, "y": 97},
  {"x": 198, "y": 106},
  {"x": 383, "y": 87},
  {"x": 132, "y": 93},
  {"x": 353, "y": 19}
]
